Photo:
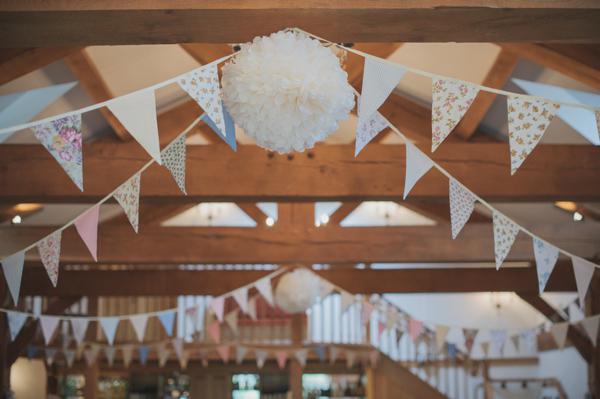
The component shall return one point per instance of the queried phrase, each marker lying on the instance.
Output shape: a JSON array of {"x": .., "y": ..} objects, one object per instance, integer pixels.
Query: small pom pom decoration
[
  {"x": 286, "y": 91},
  {"x": 296, "y": 291}
]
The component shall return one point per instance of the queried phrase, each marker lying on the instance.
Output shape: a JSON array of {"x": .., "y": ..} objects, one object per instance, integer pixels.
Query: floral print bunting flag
[
  {"x": 49, "y": 249},
  {"x": 527, "y": 122},
  {"x": 450, "y": 102},
  {"x": 368, "y": 130},
  {"x": 128, "y": 196},
  {"x": 173, "y": 158},
  {"x": 546, "y": 256},
  {"x": 63, "y": 138},
  {"x": 470, "y": 334},
  {"x": 462, "y": 203},
  {"x": 505, "y": 232}
]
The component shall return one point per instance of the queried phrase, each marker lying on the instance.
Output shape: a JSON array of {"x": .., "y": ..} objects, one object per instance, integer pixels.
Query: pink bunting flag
[
  {"x": 215, "y": 332},
  {"x": 218, "y": 307},
  {"x": 382, "y": 327},
  {"x": 367, "y": 309},
  {"x": 584, "y": 271},
  {"x": 223, "y": 352},
  {"x": 470, "y": 334},
  {"x": 281, "y": 357},
  {"x": 49, "y": 249},
  {"x": 87, "y": 227},
  {"x": 415, "y": 327}
]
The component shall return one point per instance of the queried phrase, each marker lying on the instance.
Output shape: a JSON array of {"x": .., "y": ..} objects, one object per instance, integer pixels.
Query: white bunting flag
[
  {"x": 559, "y": 331},
  {"x": 546, "y": 256},
  {"x": 48, "y": 324},
  {"x": 417, "y": 164},
  {"x": 450, "y": 102},
  {"x": 333, "y": 354},
  {"x": 505, "y": 232},
  {"x": 202, "y": 85},
  {"x": 127, "y": 355},
  {"x": 62, "y": 138},
  {"x": 13, "y": 271},
  {"x": 347, "y": 300},
  {"x": 79, "y": 326},
  {"x": 301, "y": 356},
  {"x": 139, "y": 322},
  {"x": 264, "y": 288},
  {"x": 241, "y": 297},
  {"x": 527, "y": 121},
  {"x": 87, "y": 227},
  {"x": 590, "y": 325},
  {"x": 90, "y": 356},
  {"x": 379, "y": 80},
  {"x": 231, "y": 319},
  {"x": 529, "y": 340},
  {"x": 173, "y": 157},
  {"x": 368, "y": 130},
  {"x": 50, "y": 355},
  {"x": 223, "y": 352},
  {"x": 261, "y": 357},
  {"x": 128, "y": 196},
  {"x": 218, "y": 307},
  {"x": 137, "y": 113},
  {"x": 240, "y": 354},
  {"x": 498, "y": 338},
  {"x": 69, "y": 356},
  {"x": 462, "y": 203},
  {"x": 281, "y": 357},
  {"x": 178, "y": 347},
  {"x": 109, "y": 352},
  {"x": 252, "y": 308},
  {"x": 49, "y": 249},
  {"x": 15, "y": 323},
  {"x": 440, "y": 336},
  {"x": 109, "y": 325},
  {"x": 584, "y": 271}
]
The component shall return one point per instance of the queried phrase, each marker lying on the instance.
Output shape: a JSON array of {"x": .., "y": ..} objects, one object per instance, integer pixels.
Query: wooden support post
[{"x": 295, "y": 367}]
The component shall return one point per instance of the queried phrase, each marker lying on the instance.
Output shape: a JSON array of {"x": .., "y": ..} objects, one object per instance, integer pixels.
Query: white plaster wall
[{"x": 28, "y": 379}]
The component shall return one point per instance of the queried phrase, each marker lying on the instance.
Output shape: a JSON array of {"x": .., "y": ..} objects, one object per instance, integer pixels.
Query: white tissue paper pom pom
[
  {"x": 296, "y": 291},
  {"x": 286, "y": 91}
]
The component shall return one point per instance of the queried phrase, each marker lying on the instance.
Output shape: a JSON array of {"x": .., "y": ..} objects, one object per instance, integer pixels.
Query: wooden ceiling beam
[
  {"x": 325, "y": 173},
  {"x": 369, "y": 281},
  {"x": 342, "y": 212},
  {"x": 114, "y": 22},
  {"x": 254, "y": 212},
  {"x": 289, "y": 243}
]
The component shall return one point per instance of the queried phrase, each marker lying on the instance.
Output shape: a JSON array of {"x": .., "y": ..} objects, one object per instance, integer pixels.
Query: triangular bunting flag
[
  {"x": 281, "y": 357},
  {"x": 70, "y": 356},
  {"x": 590, "y": 325},
  {"x": 215, "y": 332},
  {"x": 598, "y": 122},
  {"x": 229, "y": 138},
  {"x": 50, "y": 355},
  {"x": 325, "y": 288},
  {"x": 451, "y": 351},
  {"x": 202, "y": 85},
  {"x": 167, "y": 320},
  {"x": 440, "y": 335},
  {"x": 301, "y": 356},
  {"x": 31, "y": 351},
  {"x": 178, "y": 347},
  {"x": 392, "y": 319},
  {"x": 399, "y": 335},
  {"x": 371, "y": 128},
  {"x": 505, "y": 232},
  {"x": 546, "y": 256},
  {"x": 87, "y": 227},
  {"x": 527, "y": 122},
  {"x": 109, "y": 325},
  {"x": 13, "y": 271},
  {"x": 173, "y": 157},
  {"x": 252, "y": 308},
  {"x": 450, "y": 102},
  {"x": 231, "y": 319},
  {"x": 203, "y": 357},
  {"x": 470, "y": 334},
  {"x": 183, "y": 360},
  {"x": 367, "y": 309},
  {"x": 127, "y": 355},
  {"x": 15, "y": 323},
  {"x": 79, "y": 326},
  {"x": 240, "y": 354},
  {"x": 320, "y": 352},
  {"x": 529, "y": 340},
  {"x": 462, "y": 203},
  {"x": 62, "y": 138},
  {"x": 417, "y": 164},
  {"x": 48, "y": 324},
  {"x": 515, "y": 341},
  {"x": 90, "y": 357},
  {"x": 485, "y": 346},
  {"x": 163, "y": 356},
  {"x": 143, "y": 350},
  {"x": 347, "y": 300},
  {"x": 241, "y": 297},
  {"x": 350, "y": 358},
  {"x": 49, "y": 249},
  {"x": 498, "y": 338},
  {"x": 559, "y": 331},
  {"x": 137, "y": 113},
  {"x": 584, "y": 271},
  {"x": 379, "y": 80},
  {"x": 218, "y": 307},
  {"x": 128, "y": 196},
  {"x": 139, "y": 322},
  {"x": 109, "y": 352},
  {"x": 415, "y": 327},
  {"x": 265, "y": 289},
  {"x": 261, "y": 357},
  {"x": 223, "y": 352},
  {"x": 334, "y": 351},
  {"x": 192, "y": 313},
  {"x": 381, "y": 328},
  {"x": 373, "y": 356}
]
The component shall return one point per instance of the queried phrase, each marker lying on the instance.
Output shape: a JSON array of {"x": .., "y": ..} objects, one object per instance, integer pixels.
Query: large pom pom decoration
[
  {"x": 286, "y": 91},
  {"x": 296, "y": 291}
]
